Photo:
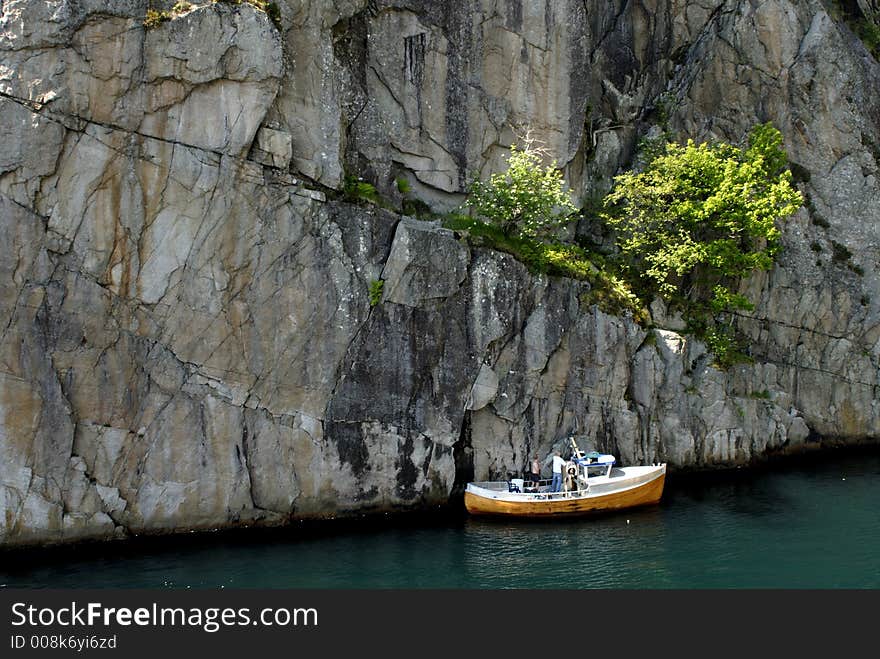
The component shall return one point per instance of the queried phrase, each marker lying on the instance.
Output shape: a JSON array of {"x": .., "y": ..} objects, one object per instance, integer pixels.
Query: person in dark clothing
[{"x": 536, "y": 469}]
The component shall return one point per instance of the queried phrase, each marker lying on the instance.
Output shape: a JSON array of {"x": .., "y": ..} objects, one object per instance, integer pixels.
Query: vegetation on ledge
[
  {"x": 355, "y": 190},
  {"x": 527, "y": 200},
  {"x": 608, "y": 291},
  {"x": 522, "y": 211},
  {"x": 376, "y": 288},
  {"x": 692, "y": 224},
  {"x": 698, "y": 220},
  {"x": 153, "y": 18}
]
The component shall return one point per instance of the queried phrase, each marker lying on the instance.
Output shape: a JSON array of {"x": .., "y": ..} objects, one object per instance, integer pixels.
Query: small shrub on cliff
[
  {"x": 527, "y": 200},
  {"x": 376, "y": 287},
  {"x": 155, "y": 18},
  {"x": 354, "y": 190}
]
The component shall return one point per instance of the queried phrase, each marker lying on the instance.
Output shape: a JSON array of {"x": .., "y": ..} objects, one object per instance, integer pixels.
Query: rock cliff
[{"x": 188, "y": 337}]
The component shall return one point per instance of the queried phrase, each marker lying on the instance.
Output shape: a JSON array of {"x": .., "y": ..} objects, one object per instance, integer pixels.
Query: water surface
[{"x": 811, "y": 523}]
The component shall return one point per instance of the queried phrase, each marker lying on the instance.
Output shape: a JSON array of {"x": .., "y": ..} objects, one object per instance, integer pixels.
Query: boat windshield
[
  {"x": 593, "y": 463},
  {"x": 591, "y": 459}
]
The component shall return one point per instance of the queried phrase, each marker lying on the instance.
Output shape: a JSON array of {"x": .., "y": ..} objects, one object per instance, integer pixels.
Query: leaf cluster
[
  {"x": 154, "y": 18},
  {"x": 690, "y": 225},
  {"x": 697, "y": 220},
  {"x": 528, "y": 199},
  {"x": 701, "y": 216},
  {"x": 355, "y": 189},
  {"x": 376, "y": 288}
]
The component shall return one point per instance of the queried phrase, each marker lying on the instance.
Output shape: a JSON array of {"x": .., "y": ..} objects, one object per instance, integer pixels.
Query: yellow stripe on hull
[{"x": 642, "y": 495}]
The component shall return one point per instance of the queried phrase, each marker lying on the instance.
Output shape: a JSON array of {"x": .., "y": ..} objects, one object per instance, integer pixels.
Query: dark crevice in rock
[
  {"x": 463, "y": 456},
  {"x": 407, "y": 474},
  {"x": 348, "y": 437}
]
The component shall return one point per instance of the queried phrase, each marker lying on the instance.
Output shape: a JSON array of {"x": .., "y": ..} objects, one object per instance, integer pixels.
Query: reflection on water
[{"x": 810, "y": 525}]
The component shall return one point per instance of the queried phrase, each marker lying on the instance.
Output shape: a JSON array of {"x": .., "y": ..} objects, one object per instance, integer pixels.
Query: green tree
[
  {"x": 527, "y": 200},
  {"x": 700, "y": 217}
]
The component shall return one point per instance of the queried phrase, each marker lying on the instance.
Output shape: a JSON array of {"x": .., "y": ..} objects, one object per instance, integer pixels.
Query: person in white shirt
[{"x": 558, "y": 464}]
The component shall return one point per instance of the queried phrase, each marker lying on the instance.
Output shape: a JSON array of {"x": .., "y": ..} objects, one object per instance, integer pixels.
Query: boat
[{"x": 592, "y": 482}]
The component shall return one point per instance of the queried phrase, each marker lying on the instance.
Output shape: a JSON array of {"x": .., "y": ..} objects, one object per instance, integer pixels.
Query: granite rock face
[{"x": 188, "y": 336}]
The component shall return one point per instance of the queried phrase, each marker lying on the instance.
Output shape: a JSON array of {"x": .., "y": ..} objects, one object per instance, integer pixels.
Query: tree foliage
[
  {"x": 528, "y": 199},
  {"x": 699, "y": 217},
  {"x": 691, "y": 224}
]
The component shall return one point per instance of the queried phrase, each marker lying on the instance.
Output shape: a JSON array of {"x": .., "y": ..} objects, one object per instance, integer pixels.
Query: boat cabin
[
  {"x": 583, "y": 467},
  {"x": 593, "y": 463}
]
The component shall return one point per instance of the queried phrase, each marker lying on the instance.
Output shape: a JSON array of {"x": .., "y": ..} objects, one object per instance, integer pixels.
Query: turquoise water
[{"x": 802, "y": 524}]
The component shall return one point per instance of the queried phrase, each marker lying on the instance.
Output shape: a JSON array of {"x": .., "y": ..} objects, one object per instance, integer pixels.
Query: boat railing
[
  {"x": 591, "y": 488},
  {"x": 565, "y": 494}
]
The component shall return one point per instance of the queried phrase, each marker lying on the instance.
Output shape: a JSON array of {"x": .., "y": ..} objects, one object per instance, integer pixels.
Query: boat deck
[
  {"x": 621, "y": 488},
  {"x": 620, "y": 478}
]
